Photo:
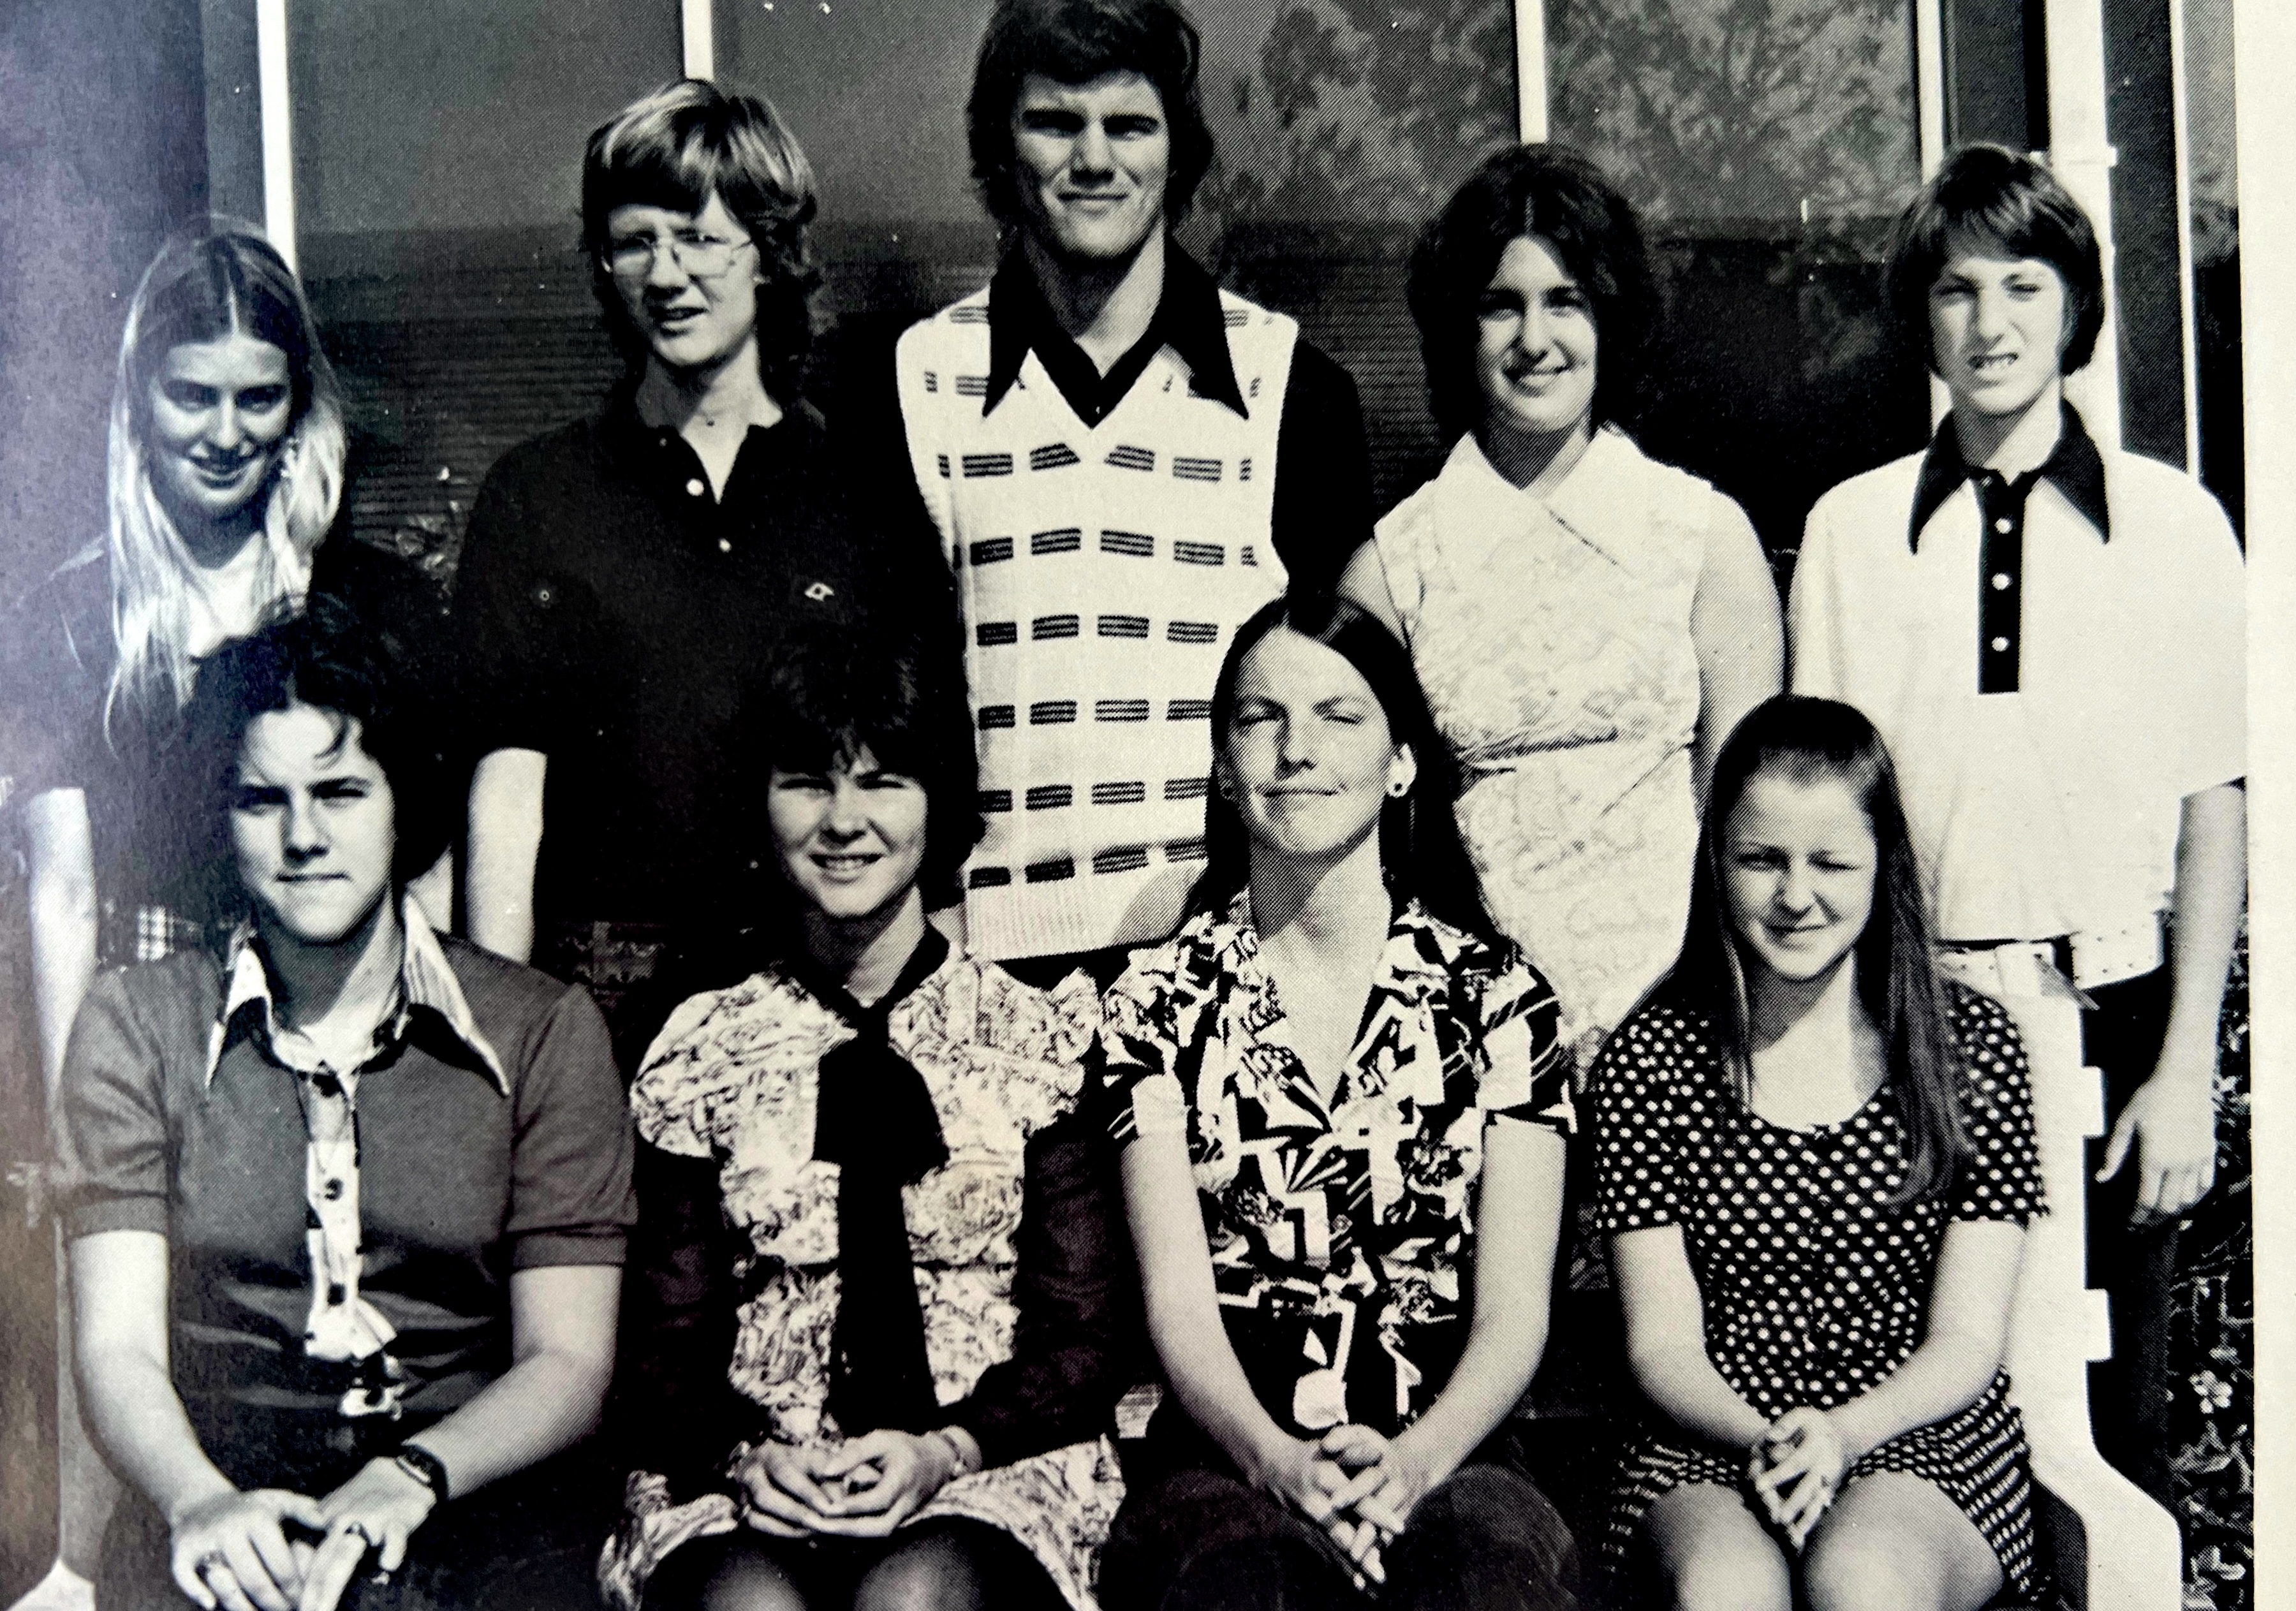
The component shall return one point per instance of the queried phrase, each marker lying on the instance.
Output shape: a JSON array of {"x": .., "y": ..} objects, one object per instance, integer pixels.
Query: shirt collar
[
  {"x": 426, "y": 982},
  {"x": 2074, "y": 467},
  {"x": 1413, "y": 944},
  {"x": 1189, "y": 319}
]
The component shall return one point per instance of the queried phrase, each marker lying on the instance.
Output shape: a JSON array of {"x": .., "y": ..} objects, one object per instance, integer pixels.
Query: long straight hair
[
  {"x": 1420, "y": 852},
  {"x": 207, "y": 283},
  {"x": 1807, "y": 740}
]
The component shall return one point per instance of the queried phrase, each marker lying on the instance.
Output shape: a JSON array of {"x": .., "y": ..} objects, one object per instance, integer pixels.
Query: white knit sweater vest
[{"x": 1101, "y": 572}]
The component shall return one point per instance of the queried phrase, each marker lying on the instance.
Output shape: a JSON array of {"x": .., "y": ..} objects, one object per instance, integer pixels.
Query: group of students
[{"x": 1052, "y": 869}]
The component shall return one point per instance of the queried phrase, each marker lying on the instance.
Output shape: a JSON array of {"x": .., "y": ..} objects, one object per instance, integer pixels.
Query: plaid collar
[{"x": 426, "y": 983}]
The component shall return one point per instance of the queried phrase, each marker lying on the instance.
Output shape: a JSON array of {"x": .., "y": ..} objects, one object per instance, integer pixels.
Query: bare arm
[
  {"x": 1364, "y": 583},
  {"x": 505, "y": 830},
  {"x": 62, "y": 919},
  {"x": 1518, "y": 1210},
  {"x": 221, "y": 1540},
  {"x": 561, "y": 1325},
  {"x": 1183, "y": 1305},
  {"x": 1665, "y": 1339},
  {"x": 1735, "y": 627},
  {"x": 1518, "y": 1206},
  {"x": 2171, "y": 1119},
  {"x": 1960, "y": 1350}
]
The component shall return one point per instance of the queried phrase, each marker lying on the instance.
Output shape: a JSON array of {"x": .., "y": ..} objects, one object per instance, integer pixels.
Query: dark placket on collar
[
  {"x": 2074, "y": 467},
  {"x": 1189, "y": 319}
]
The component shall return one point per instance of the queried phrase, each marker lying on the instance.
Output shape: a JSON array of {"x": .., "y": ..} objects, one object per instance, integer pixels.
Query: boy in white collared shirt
[{"x": 2051, "y": 637}]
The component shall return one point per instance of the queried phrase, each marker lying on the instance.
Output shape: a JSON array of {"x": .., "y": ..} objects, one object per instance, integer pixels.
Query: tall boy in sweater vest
[{"x": 1124, "y": 462}]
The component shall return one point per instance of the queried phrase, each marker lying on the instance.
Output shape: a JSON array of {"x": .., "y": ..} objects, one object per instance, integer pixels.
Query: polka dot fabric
[{"x": 1815, "y": 1289}]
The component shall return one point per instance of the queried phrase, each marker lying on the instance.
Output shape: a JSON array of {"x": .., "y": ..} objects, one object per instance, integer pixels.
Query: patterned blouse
[
  {"x": 1552, "y": 636},
  {"x": 1342, "y": 1221},
  {"x": 731, "y": 1088}
]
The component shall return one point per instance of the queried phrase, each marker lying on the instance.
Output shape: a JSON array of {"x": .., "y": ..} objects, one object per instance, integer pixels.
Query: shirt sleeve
[
  {"x": 675, "y": 1413},
  {"x": 1322, "y": 506},
  {"x": 572, "y": 1200},
  {"x": 501, "y": 622},
  {"x": 1139, "y": 1046},
  {"x": 1636, "y": 1184},
  {"x": 2001, "y": 1178},
  {"x": 1526, "y": 1076},
  {"x": 55, "y": 659},
  {"x": 109, "y": 1132},
  {"x": 1813, "y": 608},
  {"x": 2208, "y": 667},
  {"x": 1062, "y": 1384}
]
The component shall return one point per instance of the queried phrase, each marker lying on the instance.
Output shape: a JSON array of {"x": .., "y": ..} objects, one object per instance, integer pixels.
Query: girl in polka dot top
[{"x": 1817, "y": 1164}]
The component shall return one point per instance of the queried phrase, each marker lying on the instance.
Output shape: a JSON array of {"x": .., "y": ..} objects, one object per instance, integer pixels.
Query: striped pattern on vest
[{"x": 1102, "y": 572}]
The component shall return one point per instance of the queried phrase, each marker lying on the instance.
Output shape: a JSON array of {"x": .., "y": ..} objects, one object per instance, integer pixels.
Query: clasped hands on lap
[
  {"x": 1794, "y": 1470},
  {"x": 863, "y": 1487},
  {"x": 272, "y": 1549},
  {"x": 1355, "y": 1484}
]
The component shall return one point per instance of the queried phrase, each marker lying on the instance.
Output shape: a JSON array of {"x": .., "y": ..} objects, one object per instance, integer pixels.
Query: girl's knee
[
  {"x": 1870, "y": 1570},
  {"x": 1748, "y": 1576}
]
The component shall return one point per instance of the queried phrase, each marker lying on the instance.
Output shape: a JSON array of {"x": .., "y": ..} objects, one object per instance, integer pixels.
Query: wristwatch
[{"x": 425, "y": 1468}]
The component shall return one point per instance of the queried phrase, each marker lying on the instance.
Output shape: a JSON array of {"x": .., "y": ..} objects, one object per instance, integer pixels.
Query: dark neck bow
[{"x": 875, "y": 1120}]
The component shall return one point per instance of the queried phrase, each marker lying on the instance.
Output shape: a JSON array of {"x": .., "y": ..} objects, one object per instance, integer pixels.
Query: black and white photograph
[{"x": 1142, "y": 805}]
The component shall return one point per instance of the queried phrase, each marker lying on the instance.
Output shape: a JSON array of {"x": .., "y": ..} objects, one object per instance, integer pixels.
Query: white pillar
[
  {"x": 2082, "y": 156},
  {"x": 278, "y": 126},
  {"x": 1531, "y": 70},
  {"x": 698, "y": 26}
]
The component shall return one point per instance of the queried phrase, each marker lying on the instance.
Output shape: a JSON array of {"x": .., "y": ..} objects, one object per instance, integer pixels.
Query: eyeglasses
[{"x": 704, "y": 257}]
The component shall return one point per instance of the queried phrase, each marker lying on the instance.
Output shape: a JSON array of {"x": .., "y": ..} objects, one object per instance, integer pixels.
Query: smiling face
[
  {"x": 1090, "y": 164},
  {"x": 1307, "y": 758},
  {"x": 850, "y": 839},
  {"x": 688, "y": 281},
  {"x": 1997, "y": 328},
  {"x": 1798, "y": 868},
  {"x": 220, "y": 414},
  {"x": 313, "y": 824},
  {"x": 1535, "y": 345}
]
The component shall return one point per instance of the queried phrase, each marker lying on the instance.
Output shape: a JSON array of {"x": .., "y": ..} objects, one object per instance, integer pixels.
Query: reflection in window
[
  {"x": 1768, "y": 144},
  {"x": 1342, "y": 126}
]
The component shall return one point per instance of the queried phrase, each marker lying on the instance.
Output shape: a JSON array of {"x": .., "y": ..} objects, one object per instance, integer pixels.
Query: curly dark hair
[
  {"x": 1075, "y": 42},
  {"x": 674, "y": 149},
  {"x": 1562, "y": 199},
  {"x": 1992, "y": 196}
]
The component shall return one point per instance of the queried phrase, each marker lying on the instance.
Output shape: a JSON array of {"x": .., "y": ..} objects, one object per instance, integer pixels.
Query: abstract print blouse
[
  {"x": 737, "y": 1259},
  {"x": 1341, "y": 1221}
]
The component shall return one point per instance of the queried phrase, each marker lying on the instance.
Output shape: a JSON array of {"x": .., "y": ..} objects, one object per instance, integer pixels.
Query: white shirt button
[
  {"x": 725, "y": 546},
  {"x": 694, "y": 488},
  {"x": 2000, "y": 645},
  {"x": 2000, "y": 580},
  {"x": 2002, "y": 525}
]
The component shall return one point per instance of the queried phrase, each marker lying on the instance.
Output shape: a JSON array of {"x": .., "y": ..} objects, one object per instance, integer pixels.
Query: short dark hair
[
  {"x": 1419, "y": 850},
  {"x": 1806, "y": 739},
  {"x": 674, "y": 149},
  {"x": 1993, "y": 196},
  {"x": 1075, "y": 42},
  {"x": 1562, "y": 199},
  {"x": 328, "y": 657},
  {"x": 886, "y": 685}
]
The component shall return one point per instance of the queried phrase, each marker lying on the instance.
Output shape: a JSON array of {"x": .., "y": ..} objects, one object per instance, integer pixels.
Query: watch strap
[{"x": 425, "y": 1468}]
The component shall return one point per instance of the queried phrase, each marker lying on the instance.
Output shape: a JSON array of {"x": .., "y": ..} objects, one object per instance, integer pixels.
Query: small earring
[{"x": 1400, "y": 788}]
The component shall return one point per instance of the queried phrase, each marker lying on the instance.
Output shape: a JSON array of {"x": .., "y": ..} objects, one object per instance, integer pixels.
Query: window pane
[
  {"x": 1769, "y": 144},
  {"x": 1343, "y": 125},
  {"x": 437, "y": 168}
]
